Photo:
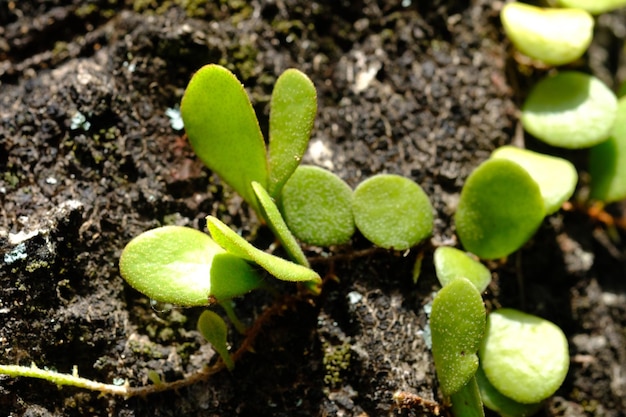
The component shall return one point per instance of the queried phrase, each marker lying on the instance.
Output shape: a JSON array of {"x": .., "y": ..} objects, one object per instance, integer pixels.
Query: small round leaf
[
  {"x": 392, "y": 211},
  {"x": 457, "y": 323},
  {"x": 500, "y": 208},
  {"x": 524, "y": 357},
  {"x": 452, "y": 263},
  {"x": 556, "y": 177},
  {"x": 317, "y": 206},
  {"x": 570, "y": 110},
  {"x": 607, "y": 162},
  {"x": 554, "y": 36},
  {"x": 183, "y": 266},
  {"x": 213, "y": 328}
]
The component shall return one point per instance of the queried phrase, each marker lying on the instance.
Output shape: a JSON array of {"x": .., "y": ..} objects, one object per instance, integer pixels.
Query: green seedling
[
  {"x": 457, "y": 323},
  {"x": 185, "y": 267},
  {"x": 607, "y": 162},
  {"x": 555, "y": 176},
  {"x": 392, "y": 211},
  {"x": 570, "y": 110},
  {"x": 500, "y": 208},
  {"x": 452, "y": 263},
  {"x": 594, "y": 6},
  {"x": 317, "y": 207},
  {"x": 213, "y": 328},
  {"x": 224, "y": 131},
  {"x": 524, "y": 357},
  {"x": 553, "y": 36}
]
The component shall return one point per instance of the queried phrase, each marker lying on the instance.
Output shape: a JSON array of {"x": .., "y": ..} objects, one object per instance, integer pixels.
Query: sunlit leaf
[
  {"x": 556, "y": 177},
  {"x": 185, "y": 267},
  {"x": 570, "y": 110},
  {"x": 524, "y": 357},
  {"x": 223, "y": 129},
  {"x": 554, "y": 36}
]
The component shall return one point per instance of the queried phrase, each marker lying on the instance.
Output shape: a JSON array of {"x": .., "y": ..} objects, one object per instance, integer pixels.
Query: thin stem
[{"x": 126, "y": 390}]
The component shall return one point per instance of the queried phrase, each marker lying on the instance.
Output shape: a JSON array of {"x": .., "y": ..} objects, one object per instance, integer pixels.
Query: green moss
[{"x": 336, "y": 361}]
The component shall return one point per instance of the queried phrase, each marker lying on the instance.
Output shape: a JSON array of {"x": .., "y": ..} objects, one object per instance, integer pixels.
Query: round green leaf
[
  {"x": 607, "y": 162},
  {"x": 494, "y": 400},
  {"x": 392, "y": 211},
  {"x": 594, "y": 6},
  {"x": 500, "y": 208},
  {"x": 554, "y": 36},
  {"x": 292, "y": 113},
  {"x": 457, "y": 323},
  {"x": 570, "y": 110},
  {"x": 223, "y": 129},
  {"x": 556, "y": 177},
  {"x": 524, "y": 357},
  {"x": 185, "y": 267},
  {"x": 317, "y": 206},
  {"x": 452, "y": 263}
]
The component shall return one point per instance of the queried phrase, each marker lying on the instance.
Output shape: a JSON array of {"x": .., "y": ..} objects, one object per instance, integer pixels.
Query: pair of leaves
[
  {"x": 391, "y": 211},
  {"x": 224, "y": 131},
  {"x": 185, "y": 267}
]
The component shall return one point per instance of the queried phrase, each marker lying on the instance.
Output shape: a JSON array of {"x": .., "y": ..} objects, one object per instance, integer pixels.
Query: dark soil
[{"x": 425, "y": 90}]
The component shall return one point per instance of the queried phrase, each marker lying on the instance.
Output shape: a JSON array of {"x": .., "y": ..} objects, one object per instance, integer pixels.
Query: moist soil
[{"x": 89, "y": 158}]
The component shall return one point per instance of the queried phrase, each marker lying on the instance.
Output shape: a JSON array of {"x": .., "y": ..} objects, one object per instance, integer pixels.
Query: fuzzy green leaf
[
  {"x": 524, "y": 357},
  {"x": 317, "y": 206},
  {"x": 570, "y": 110},
  {"x": 504, "y": 406},
  {"x": 292, "y": 113},
  {"x": 392, "y": 211},
  {"x": 275, "y": 221},
  {"x": 554, "y": 36},
  {"x": 451, "y": 263},
  {"x": 213, "y": 328},
  {"x": 457, "y": 323},
  {"x": 223, "y": 129},
  {"x": 238, "y": 246},
  {"x": 556, "y": 177},
  {"x": 185, "y": 267},
  {"x": 607, "y": 162},
  {"x": 499, "y": 209}
]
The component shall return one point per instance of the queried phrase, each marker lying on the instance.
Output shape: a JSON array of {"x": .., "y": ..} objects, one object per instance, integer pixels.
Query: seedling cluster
[{"x": 507, "y": 359}]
